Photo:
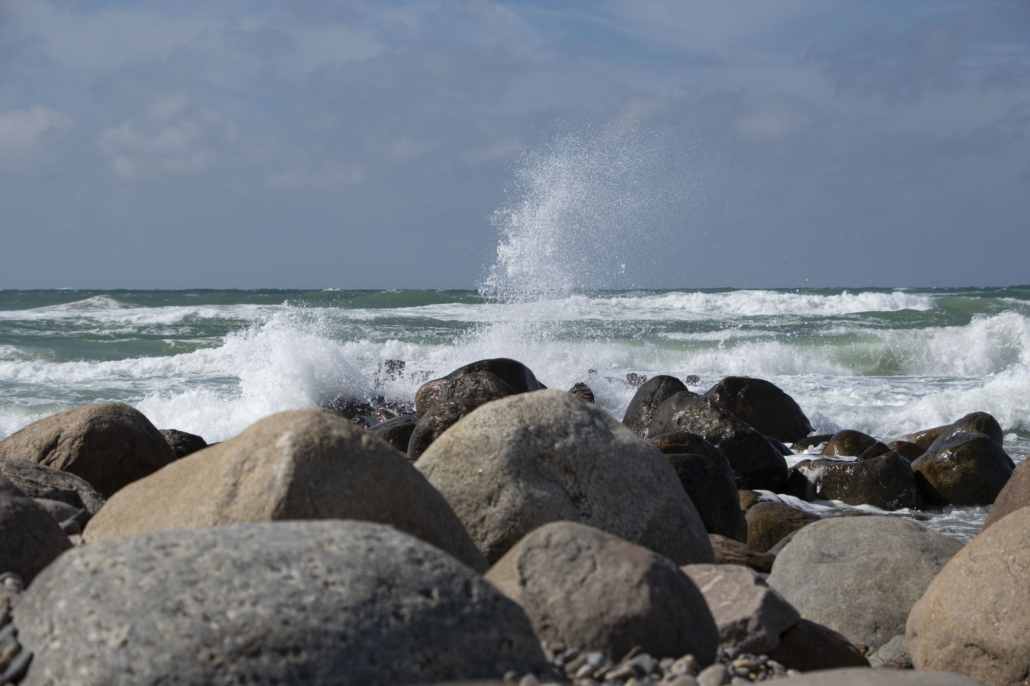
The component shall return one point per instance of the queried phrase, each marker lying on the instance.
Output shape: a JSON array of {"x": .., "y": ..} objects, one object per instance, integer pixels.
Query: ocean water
[{"x": 883, "y": 361}]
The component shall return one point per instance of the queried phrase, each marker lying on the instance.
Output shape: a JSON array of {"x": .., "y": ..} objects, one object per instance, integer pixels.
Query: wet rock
[
  {"x": 810, "y": 647},
  {"x": 755, "y": 462},
  {"x": 109, "y": 445},
  {"x": 1014, "y": 496},
  {"x": 925, "y": 438},
  {"x": 849, "y": 443},
  {"x": 434, "y": 422},
  {"x": 730, "y": 552},
  {"x": 875, "y": 450},
  {"x": 647, "y": 399},
  {"x": 975, "y": 422},
  {"x": 477, "y": 388},
  {"x": 803, "y": 444},
  {"x": 780, "y": 446},
  {"x": 964, "y": 469},
  {"x": 339, "y": 602},
  {"x": 582, "y": 391},
  {"x": 302, "y": 464},
  {"x": 909, "y": 451},
  {"x": 749, "y": 615},
  {"x": 763, "y": 406},
  {"x": 521, "y": 462},
  {"x": 587, "y": 588},
  {"x": 974, "y": 618},
  {"x": 886, "y": 482},
  {"x": 368, "y": 412},
  {"x": 707, "y": 478},
  {"x": 396, "y": 432},
  {"x": 797, "y": 485},
  {"x": 39, "y": 481},
  {"x": 768, "y": 522},
  {"x": 183, "y": 443},
  {"x": 860, "y": 576}
]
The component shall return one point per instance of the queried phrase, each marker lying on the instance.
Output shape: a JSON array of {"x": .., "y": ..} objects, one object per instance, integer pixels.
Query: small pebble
[{"x": 715, "y": 675}]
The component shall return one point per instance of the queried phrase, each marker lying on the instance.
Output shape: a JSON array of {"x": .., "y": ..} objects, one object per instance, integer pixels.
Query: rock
[
  {"x": 768, "y": 522},
  {"x": 339, "y": 602},
  {"x": 730, "y": 552},
  {"x": 396, "y": 432},
  {"x": 974, "y": 618},
  {"x": 434, "y": 422},
  {"x": 909, "y": 451},
  {"x": 109, "y": 445},
  {"x": 748, "y": 614},
  {"x": 478, "y": 388},
  {"x": 40, "y": 481},
  {"x": 29, "y": 537},
  {"x": 875, "y": 450},
  {"x": 803, "y": 444},
  {"x": 302, "y": 464},
  {"x": 748, "y": 499},
  {"x": 924, "y": 439},
  {"x": 707, "y": 478},
  {"x": 647, "y": 399},
  {"x": 780, "y": 446},
  {"x": 810, "y": 647},
  {"x": 849, "y": 443},
  {"x": 533, "y": 458},
  {"x": 369, "y": 411},
  {"x": 797, "y": 485},
  {"x": 976, "y": 422},
  {"x": 183, "y": 443},
  {"x": 755, "y": 462},
  {"x": 879, "y": 677},
  {"x": 964, "y": 469},
  {"x": 763, "y": 406},
  {"x": 57, "y": 510},
  {"x": 582, "y": 391},
  {"x": 511, "y": 372},
  {"x": 894, "y": 654},
  {"x": 860, "y": 576},
  {"x": 886, "y": 482},
  {"x": 589, "y": 589},
  {"x": 1014, "y": 496}
]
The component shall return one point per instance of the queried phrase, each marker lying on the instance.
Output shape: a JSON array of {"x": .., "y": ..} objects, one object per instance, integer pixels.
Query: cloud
[{"x": 23, "y": 133}]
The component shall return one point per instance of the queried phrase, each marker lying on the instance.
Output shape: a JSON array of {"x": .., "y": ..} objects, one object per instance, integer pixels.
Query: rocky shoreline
[{"x": 495, "y": 529}]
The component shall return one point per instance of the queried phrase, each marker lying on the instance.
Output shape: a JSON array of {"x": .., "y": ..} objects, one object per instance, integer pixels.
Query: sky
[{"x": 398, "y": 144}]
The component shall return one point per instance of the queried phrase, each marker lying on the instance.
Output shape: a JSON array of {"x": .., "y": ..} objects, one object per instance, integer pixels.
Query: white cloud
[{"x": 22, "y": 133}]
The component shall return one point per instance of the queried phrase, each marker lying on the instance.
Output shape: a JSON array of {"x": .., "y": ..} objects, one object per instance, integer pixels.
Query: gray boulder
[
  {"x": 30, "y": 539},
  {"x": 331, "y": 602},
  {"x": 755, "y": 462},
  {"x": 750, "y": 616},
  {"x": 109, "y": 445},
  {"x": 860, "y": 575},
  {"x": 589, "y": 589},
  {"x": 39, "y": 481},
  {"x": 521, "y": 462},
  {"x": 646, "y": 400},
  {"x": 963, "y": 469},
  {"x": 302, "y": 464}
]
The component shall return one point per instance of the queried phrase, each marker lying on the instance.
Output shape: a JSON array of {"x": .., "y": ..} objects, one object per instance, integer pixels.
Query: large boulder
[
  {"x": 849, "y": 443},
  {"x": 763, "y": 405},
  {"x": 30, "y": 539},
  {"x": 925, "y": 438},
  {"x": 586, "y": 588},
  {"x": 974, "y": 422},
  {"x": 707, "y": 478},
  {"x": 886, "y": 482},
  {"x": 39, "y": 481},
  {"x": 909, "y": 451},
  {"x": 964, "y": 469},
  {"x": 975, "y": 616},
  {"x": 331, "y": 602},
  {"x": 1014, "y": 496},
  {"x": 750, "y": 616},
  {"x": 513, "y": 377},
  {"x": 302, "y": 464},
  {"x": 109, "y": 445},
  {"x": 769, "y": 522},
  {"x": 860, "y": 576},
  {"x": 646, "y": 400},
  {"x": 434, "y": 422},
  {"x": 755, "y": 462},
  {"x": 518, "y": 463}
]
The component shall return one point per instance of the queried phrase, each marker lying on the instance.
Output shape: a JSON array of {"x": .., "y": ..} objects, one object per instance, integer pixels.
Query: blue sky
[{"x": 368, "y": 144}]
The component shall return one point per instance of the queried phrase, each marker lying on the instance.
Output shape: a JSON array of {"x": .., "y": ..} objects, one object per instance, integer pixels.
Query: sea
[{"x": 886, "y": 361}]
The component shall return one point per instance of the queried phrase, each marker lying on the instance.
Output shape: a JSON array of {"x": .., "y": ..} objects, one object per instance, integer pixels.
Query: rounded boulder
[{"x": 763, "y": 405}]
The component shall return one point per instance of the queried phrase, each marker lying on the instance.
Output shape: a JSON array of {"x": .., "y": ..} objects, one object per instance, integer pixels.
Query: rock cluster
[{"x": 494, "y": 530}]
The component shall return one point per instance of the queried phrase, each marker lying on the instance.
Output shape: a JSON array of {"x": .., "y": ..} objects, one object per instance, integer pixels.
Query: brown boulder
[
  {"x": 909, "y": 451},
  {"x": 763, "y": 405},
  {"x": 303, "y": 464},
  {"x": 768, "y": 523},
  {"x": 925, "y": 438},
  {"x": 964, "y": 469},
  {"x": 886, "y": 482},
  {"x": 1014, "y": 496},
  {"x": 109, "y": 445},
  {"x": 849, "y": 443},
  {"x": 589, "y": 589},
  {"x": 974, "y": 422},
  {"x": 730, "y": 552},
  {"x": 748, "y": 499},
  {"x": 974, "y": 618}
]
